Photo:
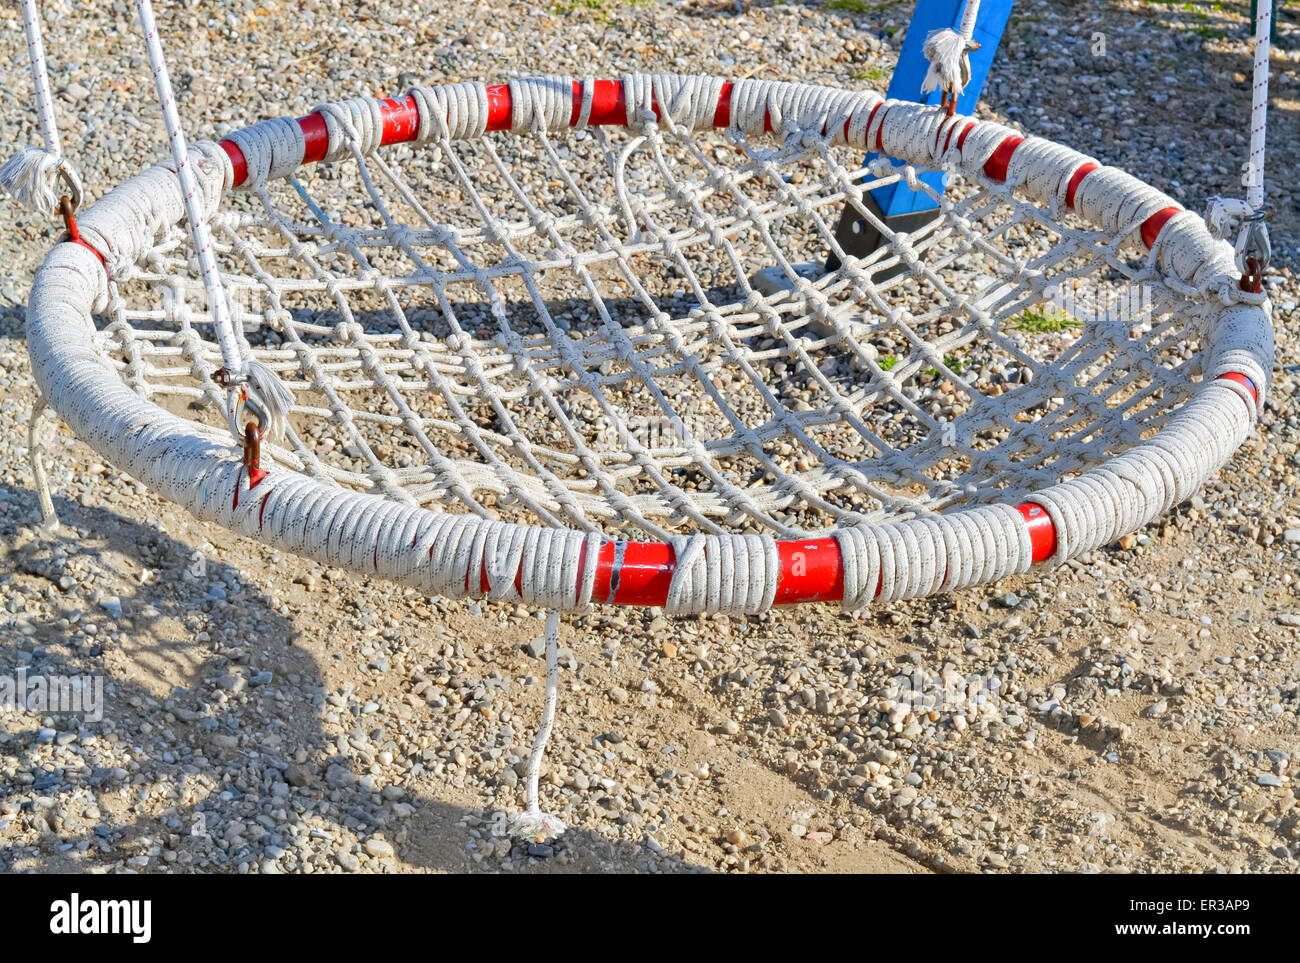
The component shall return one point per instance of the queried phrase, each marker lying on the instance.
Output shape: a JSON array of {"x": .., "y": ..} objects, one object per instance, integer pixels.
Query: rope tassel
[
  {"x": 949, "y": 64},
  {"x": 29, "y": 177},
  {"x": 277, "y": 400},
  {"x": 948, "y": 53}
]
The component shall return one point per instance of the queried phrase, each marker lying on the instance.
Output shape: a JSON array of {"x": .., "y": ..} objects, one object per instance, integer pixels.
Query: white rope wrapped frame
[{"x": 472, "y": 555}]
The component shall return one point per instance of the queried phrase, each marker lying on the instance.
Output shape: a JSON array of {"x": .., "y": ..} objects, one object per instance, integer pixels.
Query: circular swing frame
[{"x": 373, "y": 535}]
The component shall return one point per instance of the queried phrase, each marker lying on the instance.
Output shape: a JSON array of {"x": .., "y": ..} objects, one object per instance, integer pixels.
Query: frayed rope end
[
  {"x": 265, "y": 391},
  {"x": 268, "y": 389},
  {"x": 946, "y": 51},
  {"x": 29, "y": 178},
  {"x": 537, "y": 827}
]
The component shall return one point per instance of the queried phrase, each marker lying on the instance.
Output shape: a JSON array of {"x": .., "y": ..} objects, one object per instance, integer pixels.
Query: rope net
[{"x": 616, "y": 330}]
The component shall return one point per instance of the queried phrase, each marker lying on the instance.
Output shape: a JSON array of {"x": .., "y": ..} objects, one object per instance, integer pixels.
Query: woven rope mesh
[{"x": 566, "y": 329}]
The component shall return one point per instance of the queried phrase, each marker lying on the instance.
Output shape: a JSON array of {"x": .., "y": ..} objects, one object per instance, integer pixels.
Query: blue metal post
[{"x": 911, "y": 70}]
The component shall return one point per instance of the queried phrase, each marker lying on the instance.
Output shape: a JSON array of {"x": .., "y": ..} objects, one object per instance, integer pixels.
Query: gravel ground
[{"x": 1134, "y": 711}]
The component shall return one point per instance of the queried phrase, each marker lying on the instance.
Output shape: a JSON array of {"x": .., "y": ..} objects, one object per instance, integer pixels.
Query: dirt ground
[{"x": 1134, "y": 711}]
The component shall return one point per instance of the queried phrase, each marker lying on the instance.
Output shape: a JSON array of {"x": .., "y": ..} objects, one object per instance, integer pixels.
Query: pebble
[
  {"x": 348, "y": 862},
  {"x": 379, "y": 848}
]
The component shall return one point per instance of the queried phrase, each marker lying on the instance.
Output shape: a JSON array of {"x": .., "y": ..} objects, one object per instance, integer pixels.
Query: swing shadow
[{"x": 222, "y": 758}]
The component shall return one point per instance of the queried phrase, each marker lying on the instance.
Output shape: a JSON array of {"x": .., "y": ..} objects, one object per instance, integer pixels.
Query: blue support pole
[
  {"x": 911, "y": 70},
  {"x": 900, "y": 208}
]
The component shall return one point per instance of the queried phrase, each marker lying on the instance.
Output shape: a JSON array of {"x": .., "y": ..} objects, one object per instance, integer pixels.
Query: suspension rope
[
  {"x": 31, "y": 174},
  {"x": 1247, "y": 218},
  {"x": 200, "y": 234},
  {"x": 40, "y": 78},
  {"x": 1259, "y": 105},
  {"x": 246, "y": 380},
  {"x": 968, "y": 18}
]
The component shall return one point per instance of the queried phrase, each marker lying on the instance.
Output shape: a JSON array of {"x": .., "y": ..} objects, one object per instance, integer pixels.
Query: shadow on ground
[{"x": 211, "y": 785}]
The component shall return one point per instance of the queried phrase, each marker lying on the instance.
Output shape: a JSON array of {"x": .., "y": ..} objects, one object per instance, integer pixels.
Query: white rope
[
  {"x": 40, "y": 78},
  {"x": 1259, "y": 103},
  {"x": 199, "y": 232},
  {"x": 49, "y": 517},
  {"x": 30, "y": 177},
  {"x": 242, "y": 374},
  {"x": 1226, "y": 216},
  {"x": 728, "y": 573},
  {"x": 31, "y": 174},
  {"x": 533, "y": 824},
  {"x": 969, "y": 17}
]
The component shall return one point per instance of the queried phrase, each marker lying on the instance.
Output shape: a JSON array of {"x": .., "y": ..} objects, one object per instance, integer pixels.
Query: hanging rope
[
  {"x": 244, "y": 379},
  {"x": 1247, "y": 218},
  {"x": 535, "y": 824},
  {"x": 31, "y": 175},
  {"x": 1259, "y": 105}
]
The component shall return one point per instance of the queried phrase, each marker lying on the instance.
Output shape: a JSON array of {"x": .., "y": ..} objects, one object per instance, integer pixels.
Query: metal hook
[
  {"x": 73, "y": 184},
  {"x": 1256, "y": 252},
  {"x": 253, "y": 432}
]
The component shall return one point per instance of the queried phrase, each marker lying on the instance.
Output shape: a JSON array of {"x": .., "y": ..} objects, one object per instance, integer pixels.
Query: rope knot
[{"x": 30, "y": 177}]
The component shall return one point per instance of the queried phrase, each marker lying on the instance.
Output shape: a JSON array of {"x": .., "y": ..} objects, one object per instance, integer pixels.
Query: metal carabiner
[
  {"x": 71, "y": 181},
  {"x": 1255, "y": 251},
  {"x": 253, "y": 434},
  {"x": 253, "y": 431},
  {"x": 70, "y": 201}
]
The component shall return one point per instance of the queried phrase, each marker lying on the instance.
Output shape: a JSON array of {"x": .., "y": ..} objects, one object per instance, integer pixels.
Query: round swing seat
[{"x": 566, "y": 341}]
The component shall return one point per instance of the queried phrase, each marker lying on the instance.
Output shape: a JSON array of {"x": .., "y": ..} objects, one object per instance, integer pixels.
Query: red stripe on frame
[
  {"x": 961, "y": 139},
  {"x": 401, "y": 120},
  {"x": 1075, "y": 180},
  {"x": 317, "y": 138},
  {"x": 237, "y": 160},
  {"x": 996, "y": 166},
  {"x": 811, "y": 571},
  {"x": 1152, "y": 226},
  {"x": 1242, "y": 380},
  {"x": 1042, "y": 530},
  {"x": 645, "y": 574},
  {"x": 722, "y": 116}
]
